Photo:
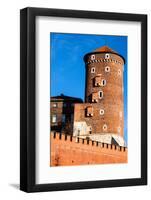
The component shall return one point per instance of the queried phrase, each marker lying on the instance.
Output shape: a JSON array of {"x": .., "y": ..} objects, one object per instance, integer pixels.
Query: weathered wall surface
[{"x": 67, "y": 150}]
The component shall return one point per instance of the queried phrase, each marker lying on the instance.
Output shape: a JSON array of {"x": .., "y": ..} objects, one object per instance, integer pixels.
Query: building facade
[
  {"x": 62, "y": 113},
  {"x": 101, "y": 117}
]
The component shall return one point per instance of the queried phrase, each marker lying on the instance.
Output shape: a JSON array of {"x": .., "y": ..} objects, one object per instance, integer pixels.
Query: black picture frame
[{"x": 28, "y": 98}]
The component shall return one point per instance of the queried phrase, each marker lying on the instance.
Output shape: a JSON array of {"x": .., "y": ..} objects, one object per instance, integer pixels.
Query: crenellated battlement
[
  {"x": 73, "y": 139},
  {"x": 104, "y": 60}
]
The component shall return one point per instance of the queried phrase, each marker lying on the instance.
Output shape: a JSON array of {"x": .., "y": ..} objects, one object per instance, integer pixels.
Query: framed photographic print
[{"x": 83, "y": 99}]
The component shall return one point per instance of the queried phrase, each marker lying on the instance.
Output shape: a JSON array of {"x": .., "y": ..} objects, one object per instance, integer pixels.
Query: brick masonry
[
  {"x": 102, "y": 67},
  {"x": 97, "y": 136},
  {"x": 67, "y": 150}
]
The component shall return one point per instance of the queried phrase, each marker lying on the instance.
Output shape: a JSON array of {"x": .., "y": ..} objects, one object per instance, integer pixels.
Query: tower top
[{"x": 103, "y": 49}]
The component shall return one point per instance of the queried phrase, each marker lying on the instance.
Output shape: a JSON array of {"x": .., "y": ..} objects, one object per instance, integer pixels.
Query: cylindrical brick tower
[{"x": 104, "y": 90}]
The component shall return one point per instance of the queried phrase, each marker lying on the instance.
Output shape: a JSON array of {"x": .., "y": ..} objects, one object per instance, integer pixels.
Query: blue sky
[{"x": 67, "y": 65}]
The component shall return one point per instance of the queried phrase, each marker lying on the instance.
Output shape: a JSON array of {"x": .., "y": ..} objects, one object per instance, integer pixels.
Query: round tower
[{"x": 104, "y": 90}]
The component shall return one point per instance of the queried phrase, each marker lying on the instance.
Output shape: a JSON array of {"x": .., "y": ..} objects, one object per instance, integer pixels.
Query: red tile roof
[{"x": 105, "y": 49}]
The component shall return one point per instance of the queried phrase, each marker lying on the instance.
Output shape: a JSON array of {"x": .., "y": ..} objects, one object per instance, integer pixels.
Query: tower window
[
  {"x": 103, "y": 82},
  {"x": 107, "y": 69},
  {"x": 101, "y": 112},
  {"x": 93, "y": 70},
  {"x": 107, "y": 56},
  {"x": 54, "y": 105},
  {"x": 104, "y": 127},
  {"x": 92, "y": 57},
  {"x": 54, "y": 119},
  {"x": 100, "y": 94}
]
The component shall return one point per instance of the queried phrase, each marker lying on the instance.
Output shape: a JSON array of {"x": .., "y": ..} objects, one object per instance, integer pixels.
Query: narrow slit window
[
  {"x": 100, "y": 94},
  {"x": 103, "y": 82}
]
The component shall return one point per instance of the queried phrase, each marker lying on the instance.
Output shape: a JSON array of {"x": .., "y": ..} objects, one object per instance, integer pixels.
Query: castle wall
[{"x": 67, "y": 150}]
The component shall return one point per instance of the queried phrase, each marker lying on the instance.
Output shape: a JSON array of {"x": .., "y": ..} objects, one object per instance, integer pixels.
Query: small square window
[
  {"x": 107, "y": 56},
  {"x": 93, "y": 70},
  {"x": 54, "y": 105},
  {"x": 101, "y": 112},
  {"x": 107, "y": 69},
  {"x": 104, "y": 127},
  {"x": 92, "y": 57}
]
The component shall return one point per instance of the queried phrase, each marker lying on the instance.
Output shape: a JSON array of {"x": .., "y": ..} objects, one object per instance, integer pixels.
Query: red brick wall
[
  {"x": 67, "y": 150},
  {"x": 110, "y": 117},
  {"x": 112, "y": 102}
]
